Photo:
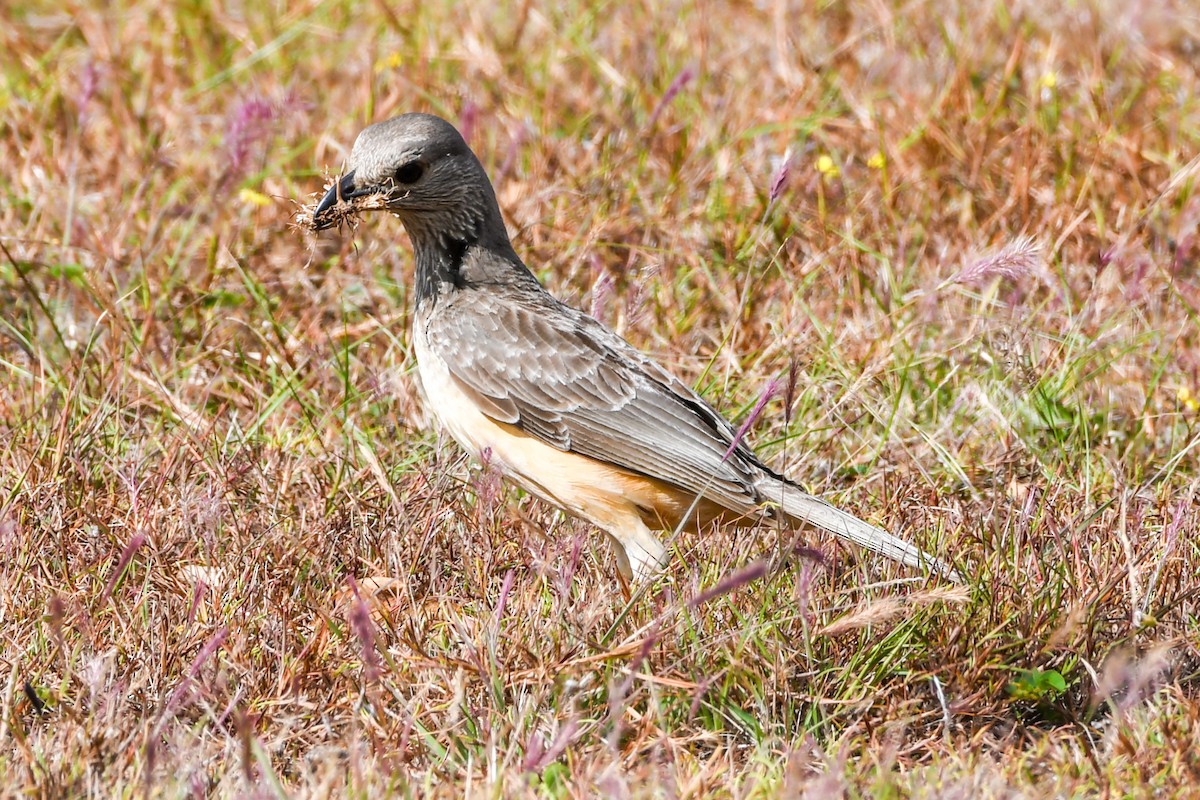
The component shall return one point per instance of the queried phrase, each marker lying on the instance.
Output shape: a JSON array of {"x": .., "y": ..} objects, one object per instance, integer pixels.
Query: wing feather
[{"x": 563, "y": 377}]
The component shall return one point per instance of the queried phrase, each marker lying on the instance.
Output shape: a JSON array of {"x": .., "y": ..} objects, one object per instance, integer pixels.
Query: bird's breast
[{"x": 453, "y": 408}]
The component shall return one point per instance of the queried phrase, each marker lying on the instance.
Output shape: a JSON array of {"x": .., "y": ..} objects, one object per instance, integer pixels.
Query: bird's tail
[{"x": 801, "y": 507}]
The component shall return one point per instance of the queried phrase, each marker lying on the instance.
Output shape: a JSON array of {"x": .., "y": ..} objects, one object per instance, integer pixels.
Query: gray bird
[{"x": 563, "y": 406}]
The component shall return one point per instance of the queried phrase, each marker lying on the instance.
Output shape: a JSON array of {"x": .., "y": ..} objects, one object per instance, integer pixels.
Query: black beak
[{"x": 343, "y": 189}]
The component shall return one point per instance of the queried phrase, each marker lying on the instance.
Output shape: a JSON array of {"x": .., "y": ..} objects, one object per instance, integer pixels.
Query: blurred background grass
[{"x": 238, "y": 561}]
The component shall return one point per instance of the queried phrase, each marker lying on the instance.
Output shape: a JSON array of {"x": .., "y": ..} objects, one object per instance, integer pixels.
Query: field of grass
[{"x": 237, "y": 560}]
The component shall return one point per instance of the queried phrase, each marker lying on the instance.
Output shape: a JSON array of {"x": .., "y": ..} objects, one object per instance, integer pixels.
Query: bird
[{"x": 564, "y": 407}]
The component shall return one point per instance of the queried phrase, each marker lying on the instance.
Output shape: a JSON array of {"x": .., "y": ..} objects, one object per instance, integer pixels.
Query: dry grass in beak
[{"x": 345, "y": 212}]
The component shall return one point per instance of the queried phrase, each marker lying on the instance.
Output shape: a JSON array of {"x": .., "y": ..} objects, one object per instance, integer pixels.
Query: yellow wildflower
[
  {"x": 1187, "y": 399},
  {"x": 392, "y": 61},
  {"x": 827, "y": 167},
  {"x": 253, "y": 198}
]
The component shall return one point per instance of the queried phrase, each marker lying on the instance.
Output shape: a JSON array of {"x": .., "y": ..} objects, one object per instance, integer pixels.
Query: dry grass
[{"x": 237, "y": 561}]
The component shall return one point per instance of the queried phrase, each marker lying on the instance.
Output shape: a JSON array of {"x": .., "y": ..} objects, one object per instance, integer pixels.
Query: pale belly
[{"x": 602, "y": 493}]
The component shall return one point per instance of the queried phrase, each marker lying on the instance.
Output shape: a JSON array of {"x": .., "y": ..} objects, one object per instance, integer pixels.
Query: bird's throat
[{"x": 439, "y": 267}]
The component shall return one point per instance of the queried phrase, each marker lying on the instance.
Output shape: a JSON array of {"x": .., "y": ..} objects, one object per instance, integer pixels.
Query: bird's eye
[{"x": 410, "y": 172}]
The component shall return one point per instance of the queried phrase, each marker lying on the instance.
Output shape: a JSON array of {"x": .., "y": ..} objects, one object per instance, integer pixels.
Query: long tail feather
[{"x": 802, "y": 507}]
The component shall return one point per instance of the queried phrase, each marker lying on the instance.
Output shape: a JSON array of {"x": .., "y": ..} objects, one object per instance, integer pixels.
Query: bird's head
[{"x": 418, "y": 167}]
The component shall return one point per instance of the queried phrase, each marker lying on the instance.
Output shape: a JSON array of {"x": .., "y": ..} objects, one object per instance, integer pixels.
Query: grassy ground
[{"x": 236, "y": 560}]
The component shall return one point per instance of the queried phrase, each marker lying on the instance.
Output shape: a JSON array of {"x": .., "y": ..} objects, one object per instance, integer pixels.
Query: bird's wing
[{"x": 561, "y": 376}]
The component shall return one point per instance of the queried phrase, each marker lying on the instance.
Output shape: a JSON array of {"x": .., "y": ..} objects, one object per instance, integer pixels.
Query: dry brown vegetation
[{"x": 237, "y": 561}]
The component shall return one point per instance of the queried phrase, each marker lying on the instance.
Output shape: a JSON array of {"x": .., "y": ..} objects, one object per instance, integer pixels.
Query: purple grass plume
[
  {"x": 364, "y": 631},
  {"x": 685, "y": 76},
  {"x": 89, "y": 84},
  {"x": 539, "y": 755},
  {"x": 468, "y": 120},
  {"x": 505, "y": 590},
  {"x": 250, "y": 124},
  {"x": 781, "y": 179},
  {"x": 789, "y": 390},
  {"x": 126, "y": 556},
  {"x": 185, "y": 688},
  {"x": 770, "y": 391},
  {"x": 1015, "y": 260},
  {"x": 602, "y": 292},
  {"x": 746, "y": 575}
]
